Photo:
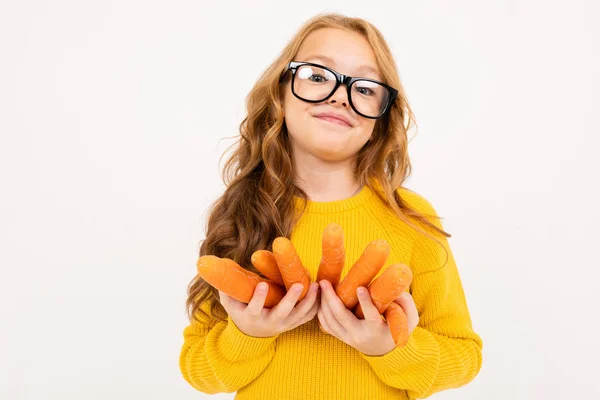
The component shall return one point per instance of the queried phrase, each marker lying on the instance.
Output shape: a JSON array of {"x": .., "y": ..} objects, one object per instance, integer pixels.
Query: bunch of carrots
[{"x": 282, "y": 268}]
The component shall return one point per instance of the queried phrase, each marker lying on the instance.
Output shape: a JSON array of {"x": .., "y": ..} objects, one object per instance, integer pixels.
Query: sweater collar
[{"x": 325, "y": 207}]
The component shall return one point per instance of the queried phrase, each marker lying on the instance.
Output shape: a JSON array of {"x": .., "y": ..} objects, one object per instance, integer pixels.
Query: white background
[{"x": 113, "y": 116}]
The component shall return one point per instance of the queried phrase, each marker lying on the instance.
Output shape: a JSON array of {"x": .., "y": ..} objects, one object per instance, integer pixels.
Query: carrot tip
[
  {"x": 282, "y": 244},
  {"x": 206, "y": 258},
  {"x": 333, "y": 228},
  {"x": 381, "y": 243}
]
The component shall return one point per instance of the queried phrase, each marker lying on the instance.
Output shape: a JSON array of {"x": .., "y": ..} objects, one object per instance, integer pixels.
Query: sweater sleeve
[
  {"x": 443, "y": 351},
  {"x": 222, "y": 358}
]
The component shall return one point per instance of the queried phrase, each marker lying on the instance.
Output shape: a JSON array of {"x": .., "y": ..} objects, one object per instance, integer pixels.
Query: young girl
[{"x": 325, "y": 141}]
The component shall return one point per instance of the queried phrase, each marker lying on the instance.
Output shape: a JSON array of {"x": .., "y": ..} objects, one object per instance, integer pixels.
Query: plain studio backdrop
[{"x": 113, "y": 116}]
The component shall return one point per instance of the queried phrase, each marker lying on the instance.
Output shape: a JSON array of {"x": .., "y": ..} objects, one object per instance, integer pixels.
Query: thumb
[{"x": 229, "y": 303}]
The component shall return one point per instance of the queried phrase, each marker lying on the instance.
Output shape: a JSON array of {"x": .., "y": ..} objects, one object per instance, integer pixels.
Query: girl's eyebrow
[{"x": 362, "y": 69}]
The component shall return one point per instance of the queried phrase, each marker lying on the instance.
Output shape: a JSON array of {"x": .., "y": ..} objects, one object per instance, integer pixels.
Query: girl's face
[{"x": 348, "y": 53}]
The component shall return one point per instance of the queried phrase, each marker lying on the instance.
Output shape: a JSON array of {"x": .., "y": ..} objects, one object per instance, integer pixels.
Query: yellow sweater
[{"x": 442, "y": 352}]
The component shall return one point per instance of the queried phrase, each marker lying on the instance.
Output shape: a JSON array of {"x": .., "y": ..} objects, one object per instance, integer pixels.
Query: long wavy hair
[{"x": 258, "y": 203}]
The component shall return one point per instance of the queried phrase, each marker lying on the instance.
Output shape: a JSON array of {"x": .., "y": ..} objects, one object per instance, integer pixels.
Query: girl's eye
[
  {"x": 317, "y": 78},
  {"x": 364, "y": 91},
  {"x": 368, "y": 88}
]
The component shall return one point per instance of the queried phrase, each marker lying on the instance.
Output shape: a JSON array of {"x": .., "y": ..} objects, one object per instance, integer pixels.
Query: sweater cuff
[
  {"x": 421, "y": 347},
  {"x": 235, "y": 345}
]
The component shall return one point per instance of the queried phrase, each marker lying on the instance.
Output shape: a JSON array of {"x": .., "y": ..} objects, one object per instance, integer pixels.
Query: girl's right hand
[{"x": 255, "y": 320}]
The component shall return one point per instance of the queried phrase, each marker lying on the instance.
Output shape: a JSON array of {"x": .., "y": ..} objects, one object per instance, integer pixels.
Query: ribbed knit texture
[{"x": 442, "y": 352}]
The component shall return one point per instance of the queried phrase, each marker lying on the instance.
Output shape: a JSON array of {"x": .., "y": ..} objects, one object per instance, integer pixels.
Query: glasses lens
[
  {"x": 369, "y": 98},
  {"x": 313, "y": 83}
]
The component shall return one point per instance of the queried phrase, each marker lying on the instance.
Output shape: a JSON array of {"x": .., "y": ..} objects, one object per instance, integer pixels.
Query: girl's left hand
[{"x": 371, "y": 336}]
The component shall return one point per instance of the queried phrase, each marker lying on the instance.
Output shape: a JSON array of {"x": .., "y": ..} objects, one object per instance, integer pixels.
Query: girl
[{"x": 325, "y": 141}]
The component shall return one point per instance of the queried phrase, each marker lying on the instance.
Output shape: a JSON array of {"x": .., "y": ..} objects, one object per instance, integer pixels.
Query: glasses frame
[{"x": 341, "y": 79}]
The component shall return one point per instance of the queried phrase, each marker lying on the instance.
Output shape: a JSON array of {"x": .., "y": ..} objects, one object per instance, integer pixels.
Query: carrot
[
  {"x": 332, "y": 261},
  {"x": 290, "y": 266},
  {"x": 397, "y": 323},
  {"x": 387, "y": 287},
  {"x": 363, "y": 271},
  {"x": 265, "y": 262},
  {"x": 229, "y": 277}
]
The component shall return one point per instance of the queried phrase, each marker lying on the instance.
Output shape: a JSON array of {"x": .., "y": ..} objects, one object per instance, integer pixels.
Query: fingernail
[{"x": 298, "y": 288}]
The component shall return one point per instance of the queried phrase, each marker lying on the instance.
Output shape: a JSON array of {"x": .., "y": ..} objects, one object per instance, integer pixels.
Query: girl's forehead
[
  {"x": 355, "y": 68},
  {"x": 361, "y": 69},
  {"x": 344, "y": 51}
]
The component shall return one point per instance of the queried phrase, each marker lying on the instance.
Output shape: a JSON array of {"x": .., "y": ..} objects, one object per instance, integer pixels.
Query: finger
[
  {"x": 371, "y": 312},
  {"x": 230, "y": 304},
  {"x": 318, "y": 302},
  {"x": 337, "y": 309},
  {"x": 334, "y": 325},
  {"x": 306, "y": 304},
  {"x": 287, "y": 304},
  {"x": 315, "y": 306},
  {"x": 324, "y": 326},
  {"x": 407, "y": 303},
  {"x": 257, "y": 302},
  {"x": 307, "y": 317}
]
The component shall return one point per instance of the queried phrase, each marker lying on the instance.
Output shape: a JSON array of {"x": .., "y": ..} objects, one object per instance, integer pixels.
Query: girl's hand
[
  {"x": 255, "y": 320},
  {"x": 371, "y": 336}
]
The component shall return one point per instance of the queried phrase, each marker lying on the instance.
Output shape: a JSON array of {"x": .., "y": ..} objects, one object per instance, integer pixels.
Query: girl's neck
[{"x": 327, "y": 181}]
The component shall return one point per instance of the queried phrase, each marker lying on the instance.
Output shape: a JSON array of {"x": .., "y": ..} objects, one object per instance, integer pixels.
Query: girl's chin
[{"x": 330, "y": 150}]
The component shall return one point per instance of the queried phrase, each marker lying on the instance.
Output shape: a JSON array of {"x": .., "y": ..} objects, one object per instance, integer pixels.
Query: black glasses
[{"x": 315, "y": 83}]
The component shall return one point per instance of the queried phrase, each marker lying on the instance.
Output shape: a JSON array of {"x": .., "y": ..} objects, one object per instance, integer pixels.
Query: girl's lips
[{"x": 333, "y": 120}]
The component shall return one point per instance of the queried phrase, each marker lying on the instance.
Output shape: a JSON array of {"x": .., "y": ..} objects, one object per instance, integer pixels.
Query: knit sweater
[{"x": 442, "y": 352}]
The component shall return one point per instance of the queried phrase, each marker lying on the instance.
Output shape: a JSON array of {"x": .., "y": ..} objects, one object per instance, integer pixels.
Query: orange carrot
[
  {"x": 397, "y": 323},
  {"x": 332, "y": 261},
  {"x": 387, "y": 287},
  {"x": 290, "y": 266},
  {"x": 363, "y": 271},
  {"x": 229, "y": 277},
  {"x": 265, "y": 262}
]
